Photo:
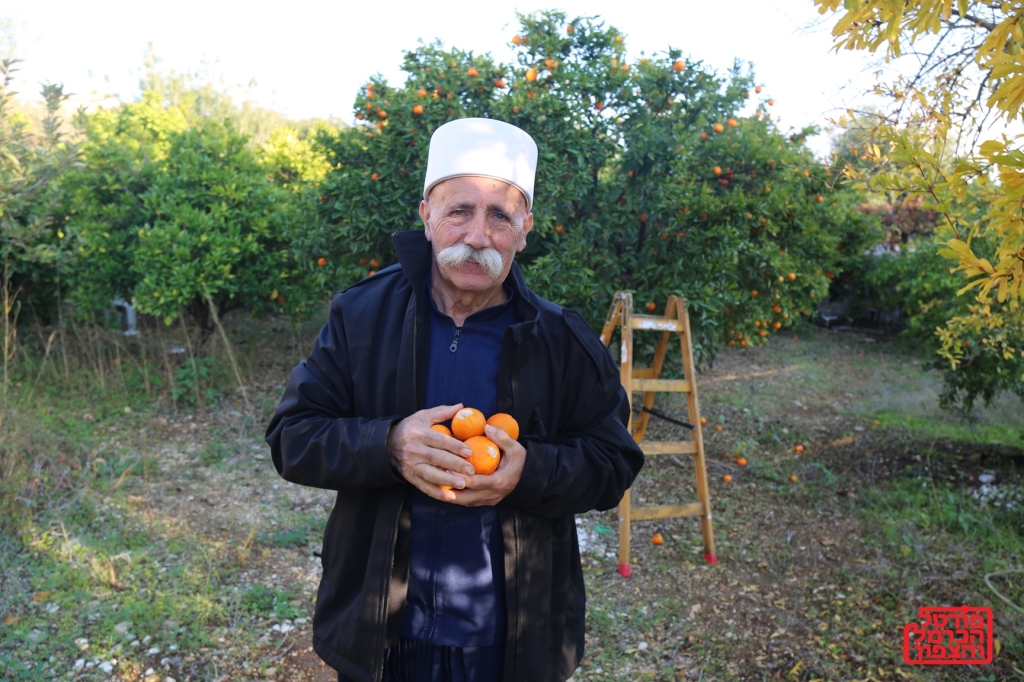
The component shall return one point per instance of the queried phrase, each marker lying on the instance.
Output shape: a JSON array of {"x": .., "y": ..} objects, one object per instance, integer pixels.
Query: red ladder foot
[
  {"x": 711, "y": 559},
  {"x": 625, "y": 570}
]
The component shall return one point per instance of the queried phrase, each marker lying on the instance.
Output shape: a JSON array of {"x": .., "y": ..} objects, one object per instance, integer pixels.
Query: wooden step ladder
[{"x": 647, "y": 380}]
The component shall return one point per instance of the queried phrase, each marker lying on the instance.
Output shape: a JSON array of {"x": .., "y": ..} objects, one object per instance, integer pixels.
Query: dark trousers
[{"x": 413, "y": 661}]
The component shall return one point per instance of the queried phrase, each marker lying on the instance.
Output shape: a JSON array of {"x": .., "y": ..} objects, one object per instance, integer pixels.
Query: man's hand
[
  {"x": 492, "y": 489},
  {"x": 429, "y": 459}
]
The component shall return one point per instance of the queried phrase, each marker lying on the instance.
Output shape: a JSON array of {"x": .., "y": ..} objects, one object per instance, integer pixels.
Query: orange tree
[
  {"x": 648, "y": 180},
  {"x": 163, "y": 212}
]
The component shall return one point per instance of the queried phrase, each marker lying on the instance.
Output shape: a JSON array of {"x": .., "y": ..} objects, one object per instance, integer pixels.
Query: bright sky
[{"x": 307, "y": 59}]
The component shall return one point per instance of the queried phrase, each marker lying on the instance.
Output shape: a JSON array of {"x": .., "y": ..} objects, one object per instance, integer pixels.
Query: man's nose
[{"x": 478, "y": 234}]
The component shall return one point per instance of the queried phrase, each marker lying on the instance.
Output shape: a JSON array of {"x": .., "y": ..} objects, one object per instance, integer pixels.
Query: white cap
[{"x": 482, "y": 147}]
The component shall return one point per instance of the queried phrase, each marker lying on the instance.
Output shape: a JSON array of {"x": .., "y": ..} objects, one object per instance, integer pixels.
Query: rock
[
  {"x": 106, "y": 667},
  {"x": 35, "y": 636},
  {"x": 986, "y": 478},
  {"x": 127, "y": 410},
  {"x": 641, "y": 646},
  {"x": 270, "y": 672},
  {"x": 153, "y": 651},
  {"x": 122, "y": 627}
]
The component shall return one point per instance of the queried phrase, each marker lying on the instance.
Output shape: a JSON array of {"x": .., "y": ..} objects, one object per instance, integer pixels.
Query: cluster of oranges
[{"x": 468, "y": 426}]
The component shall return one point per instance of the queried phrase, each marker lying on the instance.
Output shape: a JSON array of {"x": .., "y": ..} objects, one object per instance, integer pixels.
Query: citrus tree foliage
[
  {"x": 123, "y": 150},
  {"x": 163, "y": 210},
  {"x": 217, "y": 224},
  {"x": 933, "y": 139},
  {"x": 647, "y": 179},
  {"x": 32, "y": 242}
]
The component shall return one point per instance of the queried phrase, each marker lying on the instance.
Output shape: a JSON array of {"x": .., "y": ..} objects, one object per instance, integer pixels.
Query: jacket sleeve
[
  {"x": 315, "y": 438},
  {"x": 593, "y": 460}
]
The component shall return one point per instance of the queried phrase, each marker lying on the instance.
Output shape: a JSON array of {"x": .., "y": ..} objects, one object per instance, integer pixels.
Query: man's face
[{"x": 473, "y": 220}]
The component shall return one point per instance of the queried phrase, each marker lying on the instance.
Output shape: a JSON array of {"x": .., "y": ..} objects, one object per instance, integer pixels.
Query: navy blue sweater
[{"x": 456, "y": 591}]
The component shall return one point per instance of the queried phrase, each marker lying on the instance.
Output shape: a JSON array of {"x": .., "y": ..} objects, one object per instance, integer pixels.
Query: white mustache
[{"x": 458, "y": 254}]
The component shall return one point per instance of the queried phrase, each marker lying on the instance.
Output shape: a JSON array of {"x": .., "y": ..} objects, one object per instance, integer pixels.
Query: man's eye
[{"x": 501, "y": 216}]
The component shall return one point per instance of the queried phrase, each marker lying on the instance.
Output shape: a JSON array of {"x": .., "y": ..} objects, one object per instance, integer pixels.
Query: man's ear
[
  {"x": 527, "y": 226},
  {"x": 425, "y": 217}
]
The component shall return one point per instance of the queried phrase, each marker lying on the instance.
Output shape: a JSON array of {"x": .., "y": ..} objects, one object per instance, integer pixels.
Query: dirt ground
[{"x": 815, "y": 576}]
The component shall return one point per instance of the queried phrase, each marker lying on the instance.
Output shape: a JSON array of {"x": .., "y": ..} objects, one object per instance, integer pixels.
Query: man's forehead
[{"x": 478, "y": 190}]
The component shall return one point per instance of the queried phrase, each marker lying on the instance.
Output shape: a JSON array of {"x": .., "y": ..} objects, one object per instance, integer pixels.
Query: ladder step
[
  {"x": 668, "y": 511},
  {"x": 662, "y": 385},
  {"x": 655, "y": 323},
  {"x": 669, "y": 447}
]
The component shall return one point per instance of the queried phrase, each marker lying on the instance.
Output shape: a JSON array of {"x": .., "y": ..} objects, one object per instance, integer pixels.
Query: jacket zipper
[{"x": 455, "y": 342}]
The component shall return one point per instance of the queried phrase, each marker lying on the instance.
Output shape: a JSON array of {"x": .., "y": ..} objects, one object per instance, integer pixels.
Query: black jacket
[{"x": 368, "y": 371}]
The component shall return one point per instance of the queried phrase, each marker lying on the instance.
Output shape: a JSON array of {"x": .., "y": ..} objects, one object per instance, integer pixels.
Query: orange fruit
[
  {"x": 500, "y": 83},
  {"x": 807, "y": 174},
  {"x": 703, "y": 137},
  {"x": 718, "y": 427},
  {"x": 732, "y": 123},
  {"x": 703, "y": 421},
  {"x": 657, "y": 539},
  {"x": 516, "y": 40},
  {"x": 799, "y": 448},
  {"x": 792, "y": 479},
  {"x": 717, "y": 170},
  {"x": 559, "y": 229},
  {"x": 762, "y": 333},
  {"x": 570, "y": 28},
  {"x": 771, "y": 102},
  {"x": 531, "y": 75},
  {"x": 280, "y": 299},
  {"x": 359, "y": 116},
  {"x": 382, "y": 113},
  {"x": 375, "y": 177},
  {"x": 421, "y": 93},
  {"x": 373, "y": 263},
  {"x": 678, "y": 65},
  {"x": 776, "y": 325},
  {"x": 718, "y": 127},
  {"x": 362, "y": 261},
  {"x": 371, "y": 273},
  {"x": 643, "y": 217},
  {"x": 441, "y": 428},
  {"x": 418, "y": 110},
  {"x": 467, "y": 423},
  {"x": 758, "y": 89},
  {"x": 753, "y": 293},
  {"x": 471, "y": 72},
  {"x": 506, "y": 423},
  {"x": 486, "y": 454},
  {"x": 599, "y": 106},
  {"x": 549, "y": 63},
  {"x": 743, "y": 344},
  {"x": 791, "y": 276},
  {"x": 819, "y": 198},
  {"x": 651, "y": 306},
  {"x": 742, "y": 461},
  {"x": 727, "y": 478}
]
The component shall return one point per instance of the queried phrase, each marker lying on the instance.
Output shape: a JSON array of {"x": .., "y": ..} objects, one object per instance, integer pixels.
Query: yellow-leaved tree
[{"x": 947, "y": 138}]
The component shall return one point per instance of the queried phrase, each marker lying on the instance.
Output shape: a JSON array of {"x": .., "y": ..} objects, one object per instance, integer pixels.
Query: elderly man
[{"x": 431, "y": 571}]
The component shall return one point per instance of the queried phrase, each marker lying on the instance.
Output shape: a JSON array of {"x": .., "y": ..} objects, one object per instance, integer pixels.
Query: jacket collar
[{"x": 416, "y": 257}]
